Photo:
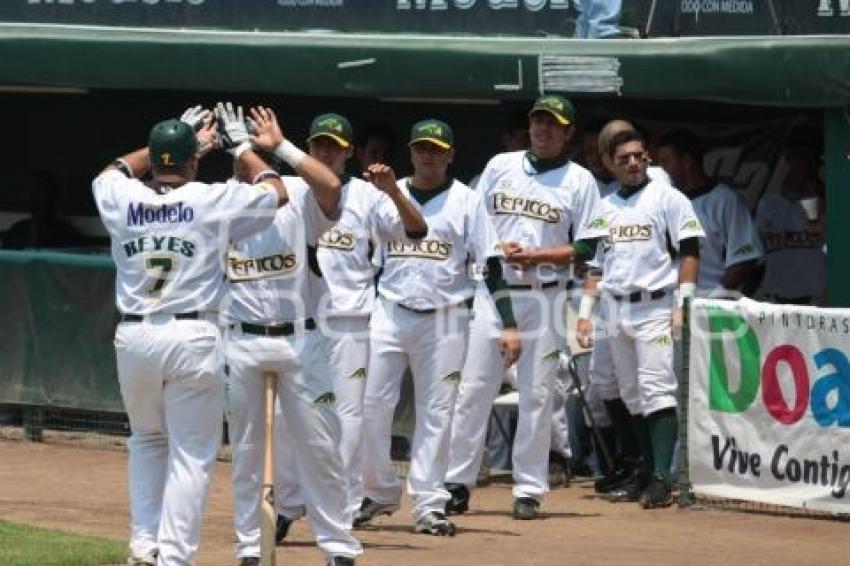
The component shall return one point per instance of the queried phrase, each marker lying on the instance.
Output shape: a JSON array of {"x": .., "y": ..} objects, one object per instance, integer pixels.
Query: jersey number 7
[{"x": 158, "y": 267}]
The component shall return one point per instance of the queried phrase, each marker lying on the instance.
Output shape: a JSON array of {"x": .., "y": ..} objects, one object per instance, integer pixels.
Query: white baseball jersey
[
  {"x": 730, "y": 234},
  {"x": 795, "y": 263},
  {"x": 435, "y": 272},
  {"x": 167, "y": 247},
  {"x": 540, "y": 210},
  {"x": 347, "y": 285},
  {"x": 268, "y": 273},
  {"x": 634, "y": 256}
]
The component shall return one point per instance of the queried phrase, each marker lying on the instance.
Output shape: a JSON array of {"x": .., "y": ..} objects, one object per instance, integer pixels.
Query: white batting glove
[
  {"x": 231, "y": 123},
  {"x": 196, "y": 116}
]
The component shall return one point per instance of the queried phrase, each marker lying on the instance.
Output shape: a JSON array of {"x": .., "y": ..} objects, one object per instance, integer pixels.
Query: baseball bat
[
  {"x": 597, "y": 436},
  {"x": 268, "y": 513}
]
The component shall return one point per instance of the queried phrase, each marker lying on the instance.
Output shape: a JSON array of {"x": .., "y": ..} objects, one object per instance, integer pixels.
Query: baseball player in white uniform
[
  {"x": 795, "y": 260},
  {"x": 345, "y": 287},
  {"x": 270, "y": 327},
  {"x": 611, "y": 415},
  {"x": 422, "y": 319},
  {"x": 637, "y": 288},
  {"x": 537, "y": 200},
  {"x": 167, "y": 241},
  {"x": 731, "y": 248}
]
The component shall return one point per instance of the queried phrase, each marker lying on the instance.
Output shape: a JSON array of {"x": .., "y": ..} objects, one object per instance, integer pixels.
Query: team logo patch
[
  {"x": 249, "y": 269},
  {"x": 453, "y": 377},
  {"x": 692, "y": 224},
  {"x": 505, "y": 204},
  {"x": 327, "y": 398},
  {"x": 359, "y": 373},
  {"x": 337, "y": 240},
  {"x": 422, "y": 249},
  {"x": 661, "y": 340},
  {"x": 552, "y": 356},
  {"x": 331, "y": 123},
  {"x": 745, "y": 249},
  {"x": 597, "y": 224},
  {"x": 630, "y": 232}
]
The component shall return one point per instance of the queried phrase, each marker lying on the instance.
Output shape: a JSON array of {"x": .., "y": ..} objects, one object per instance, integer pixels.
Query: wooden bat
[{"x": 268, "y": 513}]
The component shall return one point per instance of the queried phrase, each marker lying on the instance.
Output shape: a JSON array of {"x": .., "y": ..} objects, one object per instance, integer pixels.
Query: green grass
[{"x": 22, "y": 545}]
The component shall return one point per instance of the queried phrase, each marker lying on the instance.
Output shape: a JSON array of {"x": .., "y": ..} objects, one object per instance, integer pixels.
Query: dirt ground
[{"x": 85, "y": 491}]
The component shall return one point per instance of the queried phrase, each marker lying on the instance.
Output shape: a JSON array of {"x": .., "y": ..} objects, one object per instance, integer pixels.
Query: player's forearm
[
  {"x": 688, "y": 269},
  {"x": 578, "y": 251},
  {"x": 251, "y": 167},
  {"x": 322, "y": 181},
  {"x": 736, "y": 275},
  {"x": 136, "y": 163},
  {"x": 499, "y": 290},
  {"x": 414, "y": 223}
]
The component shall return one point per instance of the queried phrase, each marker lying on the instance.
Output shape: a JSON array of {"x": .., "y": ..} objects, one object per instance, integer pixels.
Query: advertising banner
[{"x": 769, "y": 404}]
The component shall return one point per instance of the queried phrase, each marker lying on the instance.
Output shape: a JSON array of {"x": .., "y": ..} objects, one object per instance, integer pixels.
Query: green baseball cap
[
  {"x": 556, "y": 105},
  {"x": 434, "y": 131},
  {"x": 172, "y": 143},
  {"x": 333, "y": 126}
]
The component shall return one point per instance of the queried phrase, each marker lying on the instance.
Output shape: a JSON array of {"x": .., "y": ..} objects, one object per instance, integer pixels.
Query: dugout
[{"x": 78, "y": 89}]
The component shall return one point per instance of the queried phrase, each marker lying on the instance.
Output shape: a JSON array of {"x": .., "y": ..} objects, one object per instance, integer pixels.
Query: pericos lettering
[{"x": 504, "y": 203}]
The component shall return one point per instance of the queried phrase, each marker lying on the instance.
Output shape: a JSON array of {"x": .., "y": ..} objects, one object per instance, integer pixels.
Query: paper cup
[{"x": 810, "y": 208}]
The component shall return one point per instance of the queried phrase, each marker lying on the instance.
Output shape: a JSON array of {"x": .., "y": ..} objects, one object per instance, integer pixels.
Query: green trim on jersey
[
  {"x": 422, "y": 196},
  {"x": 540, "y": 165}
]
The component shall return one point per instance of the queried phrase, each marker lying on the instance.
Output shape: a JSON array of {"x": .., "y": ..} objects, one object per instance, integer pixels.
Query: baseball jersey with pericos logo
[
  {"x": 347, "y": 285},
  {"x": 268, "y": 273},
  {"x": 730, "y": 234},
  {"x": 540, "y": 210},
  {"x": 167, "y": 247},
  {"x": 436, "y": 271},
  {"x": 634, "y": 256},
  {"x": 794, "y": 263}
]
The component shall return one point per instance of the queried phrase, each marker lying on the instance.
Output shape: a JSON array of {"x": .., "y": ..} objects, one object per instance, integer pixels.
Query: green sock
[
  {"x": 664, "y": 430},
  {"x": 644, "y": 441}
]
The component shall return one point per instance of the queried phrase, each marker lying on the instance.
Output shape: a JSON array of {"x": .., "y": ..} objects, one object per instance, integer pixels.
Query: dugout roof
[{"x": 798, "y": 71}]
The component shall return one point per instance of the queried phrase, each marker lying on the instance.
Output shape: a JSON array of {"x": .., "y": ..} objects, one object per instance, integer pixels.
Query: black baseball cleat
[
  {"x": 459, "y": 502},
  {"x": 249, "y": 561},
  {"x": 630, "y": 490},
  {"x": 525, "y": 508},
  {"x": 341, "y": 561},
  {"x": 370, "y": 509},
  {"x": 658, "y": 494},
  {"x": 282, "y": 528},
  {"x": 435, "y": 523},
  {"x": 612, "y": 480}
]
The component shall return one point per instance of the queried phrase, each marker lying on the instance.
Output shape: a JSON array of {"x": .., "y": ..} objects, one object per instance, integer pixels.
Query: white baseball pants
[
  {"x": 308, "y": 415},
  {"x": 641, "y": 344},
  {"x": 434, "y": 346},
  {"x": 170, "y": 376}
]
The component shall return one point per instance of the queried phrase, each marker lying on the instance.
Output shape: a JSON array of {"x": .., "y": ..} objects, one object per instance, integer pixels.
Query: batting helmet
[{"x": 172, "y": 143}]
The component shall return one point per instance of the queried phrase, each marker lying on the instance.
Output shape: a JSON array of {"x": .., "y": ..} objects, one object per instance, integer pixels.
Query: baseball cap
[
  {"x": 172, "y": 143},
  {"x": 556, "y": 105},
  {"x": 434, "y": 131},
  {"x": 333, "y": 126}
]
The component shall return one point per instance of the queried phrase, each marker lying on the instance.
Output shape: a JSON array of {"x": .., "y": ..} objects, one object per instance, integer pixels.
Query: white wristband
[
  {"x": 686, "y": 291},
  {"x": 585, "y": 307},
  {"x": 242, "y": 148},
  {"x": 289, "y": 153}
]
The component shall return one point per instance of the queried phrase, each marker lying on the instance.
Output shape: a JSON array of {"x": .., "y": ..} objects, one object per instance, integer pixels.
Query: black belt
[
  {"x": 466, "y": 303},
  {"x": 547, "y": 285},
  {"x": 194, "y": 315},
  {"x": 275, "y": 330},
  {"x": 638, "y": 296}
]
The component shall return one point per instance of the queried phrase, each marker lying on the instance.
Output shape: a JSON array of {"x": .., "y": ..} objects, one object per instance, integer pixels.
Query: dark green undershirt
[
  {"x": 498, "y": 288},
  {"x": 585, "y": 249},
  {"x": 701, "y": 191},
  {"x": 422, "y": 196},
  {"x": 542, "y": 165},
  {"x": 626, "y": 191}
]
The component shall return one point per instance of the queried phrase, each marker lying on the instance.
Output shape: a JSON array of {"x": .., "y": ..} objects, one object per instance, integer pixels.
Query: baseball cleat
[
  {"x": 435, "y": 523},
  {"x": 282, "y": 528},
  {"x": 143, "y": 561},
  {"x": 459, "y": 502},
  {"x": 657, "y": 494},
  {"x": 370, "y": 509},
  {"x": 249, "y": 561},
  {"x": 525, "y": 508},
  {"x": 630, "y": 490},
  {"x": 612, "y": 481},
  {"x": 341, "y": 561}
]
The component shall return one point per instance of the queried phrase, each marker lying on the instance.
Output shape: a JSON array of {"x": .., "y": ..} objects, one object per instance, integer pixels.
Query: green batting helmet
[{"x": 172, "y": 143}]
